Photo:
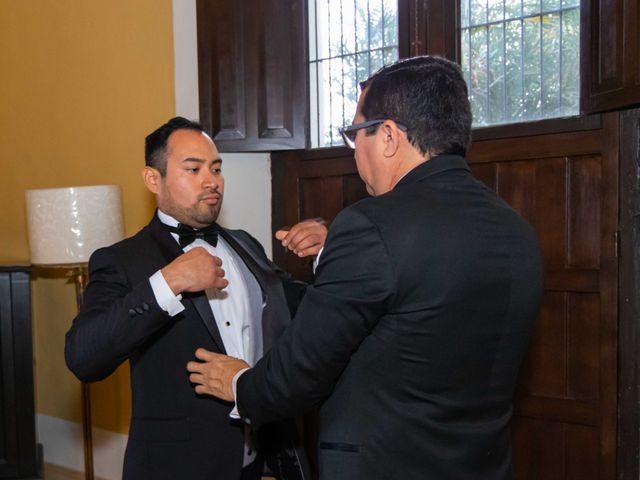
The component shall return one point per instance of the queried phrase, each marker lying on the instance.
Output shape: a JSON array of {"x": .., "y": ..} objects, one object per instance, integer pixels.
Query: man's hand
[
  {"x": 214, "y": 375},
  {"x": 305, "y": 238},
  {"x": 194, "y": 271}
]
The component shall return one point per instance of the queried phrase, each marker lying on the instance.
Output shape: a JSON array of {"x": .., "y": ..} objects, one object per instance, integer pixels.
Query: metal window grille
[
  {"x": 521, "y": 59},
  {"x": 348, "y": 40}
]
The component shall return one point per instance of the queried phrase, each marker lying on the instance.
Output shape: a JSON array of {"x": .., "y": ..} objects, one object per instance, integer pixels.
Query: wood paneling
[
  {"x": 309, "y": 184},
  {"x": 610, "y": 49},
  {"x": 563, "y": 183},
  {"x": 629, "y": 298},
  {"x": 252, "y": 74}
]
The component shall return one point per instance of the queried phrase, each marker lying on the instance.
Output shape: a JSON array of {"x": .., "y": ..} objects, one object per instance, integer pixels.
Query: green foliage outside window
[{"x": 521, "y": 59}]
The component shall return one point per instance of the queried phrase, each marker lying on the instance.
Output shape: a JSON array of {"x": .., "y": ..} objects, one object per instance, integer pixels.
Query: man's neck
[{"x": 406, "y": 164}]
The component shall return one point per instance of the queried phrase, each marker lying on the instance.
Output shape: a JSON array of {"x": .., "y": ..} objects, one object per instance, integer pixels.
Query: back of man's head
[
  {"x": 155, "y": 145},
  {"x": 429, "y": 96}
]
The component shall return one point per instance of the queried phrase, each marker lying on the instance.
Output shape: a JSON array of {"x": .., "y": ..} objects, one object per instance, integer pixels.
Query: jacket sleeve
[
  {"x": 354, "y": 283},
  {"x": 115, "y": 319}
]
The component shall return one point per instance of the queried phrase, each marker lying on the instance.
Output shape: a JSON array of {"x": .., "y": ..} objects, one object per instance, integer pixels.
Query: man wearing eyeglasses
[{"x": 411, "y": 338}]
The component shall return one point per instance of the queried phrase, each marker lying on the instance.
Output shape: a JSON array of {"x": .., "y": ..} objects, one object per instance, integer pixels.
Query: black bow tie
[{"x": 187, "y": 234}]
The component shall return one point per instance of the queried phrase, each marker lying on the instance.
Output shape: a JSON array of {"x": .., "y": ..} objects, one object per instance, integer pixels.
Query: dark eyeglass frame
[{"x": 349, "y": 133}]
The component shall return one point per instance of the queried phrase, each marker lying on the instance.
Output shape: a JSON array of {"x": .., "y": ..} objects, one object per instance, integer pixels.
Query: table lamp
[{"x": 66, "y": 225}]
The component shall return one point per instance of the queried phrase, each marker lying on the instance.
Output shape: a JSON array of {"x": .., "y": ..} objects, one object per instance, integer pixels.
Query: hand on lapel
[
  {"x": 194, "y": 271},
  {"x": 214, "y": 374}
]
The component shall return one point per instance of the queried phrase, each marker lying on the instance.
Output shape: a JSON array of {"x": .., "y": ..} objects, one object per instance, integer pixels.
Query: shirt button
[{"x": 227, "y": 323}]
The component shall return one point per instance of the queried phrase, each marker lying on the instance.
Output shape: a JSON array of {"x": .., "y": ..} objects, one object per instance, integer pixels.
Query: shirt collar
[{"x": 167, "y": 219}]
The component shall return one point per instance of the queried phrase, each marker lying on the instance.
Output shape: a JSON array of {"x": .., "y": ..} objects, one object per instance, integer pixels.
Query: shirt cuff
[
  {"x": 167, "y": 301},
  {"x": 234, "y": 413},
  {"x": 316, "y": 259}
]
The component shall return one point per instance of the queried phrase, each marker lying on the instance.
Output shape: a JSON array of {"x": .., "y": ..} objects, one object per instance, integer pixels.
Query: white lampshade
[{"x": 66, "y": 225}]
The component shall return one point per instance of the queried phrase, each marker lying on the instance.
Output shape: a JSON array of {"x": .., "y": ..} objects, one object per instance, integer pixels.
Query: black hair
[
  {"x": 155, "y": 145},
  {"x": 428, "y": 95}
]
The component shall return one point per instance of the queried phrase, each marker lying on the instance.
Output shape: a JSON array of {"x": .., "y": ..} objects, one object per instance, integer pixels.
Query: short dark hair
[
  {"x": 155, "y": 145},
  {"x": 428, "y": 95}
]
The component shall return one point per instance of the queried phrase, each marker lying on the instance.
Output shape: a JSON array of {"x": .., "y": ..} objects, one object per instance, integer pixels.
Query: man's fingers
[
  {"x": 196, "y": 378},
  {"x": 282, "y": 233},
  {"x": 206, "y": 355},
  {"x": 195, "y": 367}
]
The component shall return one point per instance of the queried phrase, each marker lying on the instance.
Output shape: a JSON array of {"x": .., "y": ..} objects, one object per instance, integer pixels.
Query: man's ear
[
  {"x": 391, "y": 138},
  {"x": 152, "y": 179}
]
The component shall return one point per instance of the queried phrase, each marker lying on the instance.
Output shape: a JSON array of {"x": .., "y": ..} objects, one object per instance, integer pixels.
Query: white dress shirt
[{"x": 237, "y": 309}]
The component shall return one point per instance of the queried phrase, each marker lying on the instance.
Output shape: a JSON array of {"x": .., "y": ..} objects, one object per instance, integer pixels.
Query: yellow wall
[{"x": 82, "y": 83}]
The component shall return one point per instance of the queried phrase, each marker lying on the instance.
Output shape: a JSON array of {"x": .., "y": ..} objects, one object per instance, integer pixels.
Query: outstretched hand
[
  {"x": 214, "y": 374},
  {"x": 305, "y": 238}
]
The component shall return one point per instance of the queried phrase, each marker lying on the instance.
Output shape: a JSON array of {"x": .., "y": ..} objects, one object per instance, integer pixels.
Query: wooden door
[{"x": 565, "y": 184}]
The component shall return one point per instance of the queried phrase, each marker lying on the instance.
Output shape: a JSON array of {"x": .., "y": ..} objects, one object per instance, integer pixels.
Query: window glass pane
[
  {"x": 570, "y": 61},
  {"x": 522, "y": 61},
  {"x": 531, "y": 43},
  {"x": 512, "y": 9},
  {"x": 334, "y": 28},
  {"x": 390, "y": 9},
  {"x": 496, "y": 10},
  {"x": 349, "y": 40},
  {"x": 550, "y": 5},
  {"x": 551, "y": 65},
  {"x": 513, "y": 71},
  {"x": 495, "y": 74},
  {"x": 348, "y": 27},
  {"x": 478, "y": 11},
  {"x": 530, "y": 7},
  {"x": 478, "y": 84},
  {"x": 464, "y": 13},
  {"x": 375, "y": 24}
]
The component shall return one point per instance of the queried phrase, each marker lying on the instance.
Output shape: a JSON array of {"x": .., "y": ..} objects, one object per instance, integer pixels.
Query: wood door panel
[
  {"x": 252, "y": 88},
  {"x": 567, "y": 392},
  {"x": 565, "y": 184},
  {"x": 583, "y": 345},
  {"x": 585, "y": 179},
  {"x": 544, "y": 370},
  {"x": 551, "y": 216},
  {"x": 552, "y": 450},
  {"x": 321, "y": 197},
  {"x": 561, "y": 362}
]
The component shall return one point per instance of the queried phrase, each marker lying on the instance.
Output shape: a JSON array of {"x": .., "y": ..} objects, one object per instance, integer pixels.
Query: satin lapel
[
  {"x": 201, "y": 302},
  {"x": 170, "y": 250},
  {"x": 253, "y": 264}
]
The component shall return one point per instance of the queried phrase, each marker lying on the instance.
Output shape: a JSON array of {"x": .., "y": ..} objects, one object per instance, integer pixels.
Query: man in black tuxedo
[
  {"x": 411, "y": 337},
  {"x": 154, "y": 298}
]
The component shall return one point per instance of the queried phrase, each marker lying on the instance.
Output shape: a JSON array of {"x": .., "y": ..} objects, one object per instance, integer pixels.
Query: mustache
[{"x": 209, "y": 193}]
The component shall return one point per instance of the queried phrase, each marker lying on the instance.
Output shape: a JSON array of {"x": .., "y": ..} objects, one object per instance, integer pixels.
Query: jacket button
[
  {"x": 132, "y": 312},
  {"x": 145, "y": 306},
  {"x": 139, "y": 310}
]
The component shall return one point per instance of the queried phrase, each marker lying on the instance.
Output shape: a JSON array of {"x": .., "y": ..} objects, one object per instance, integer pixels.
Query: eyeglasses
[{"x": 349, "y": 133}]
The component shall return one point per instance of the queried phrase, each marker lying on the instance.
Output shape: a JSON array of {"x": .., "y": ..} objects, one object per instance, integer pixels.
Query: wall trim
[{"x": 62, "y": 446}]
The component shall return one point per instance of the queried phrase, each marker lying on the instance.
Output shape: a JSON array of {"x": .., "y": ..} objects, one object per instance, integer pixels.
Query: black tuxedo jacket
[
  {"x": 412, "y": 335},
  {"x": 174, "y": 432}
]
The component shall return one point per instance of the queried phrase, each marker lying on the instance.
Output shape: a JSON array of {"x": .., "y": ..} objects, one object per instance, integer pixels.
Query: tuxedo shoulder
[
  {"x": 246, "y": 238},
  {"x": 133, "y": 242},
  {"x": 129, "y": 247}
]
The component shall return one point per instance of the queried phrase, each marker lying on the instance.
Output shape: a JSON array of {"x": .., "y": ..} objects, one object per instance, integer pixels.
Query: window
[
  {"x": 348, "y": 40},
  {"x": 521, "y": 59}
]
